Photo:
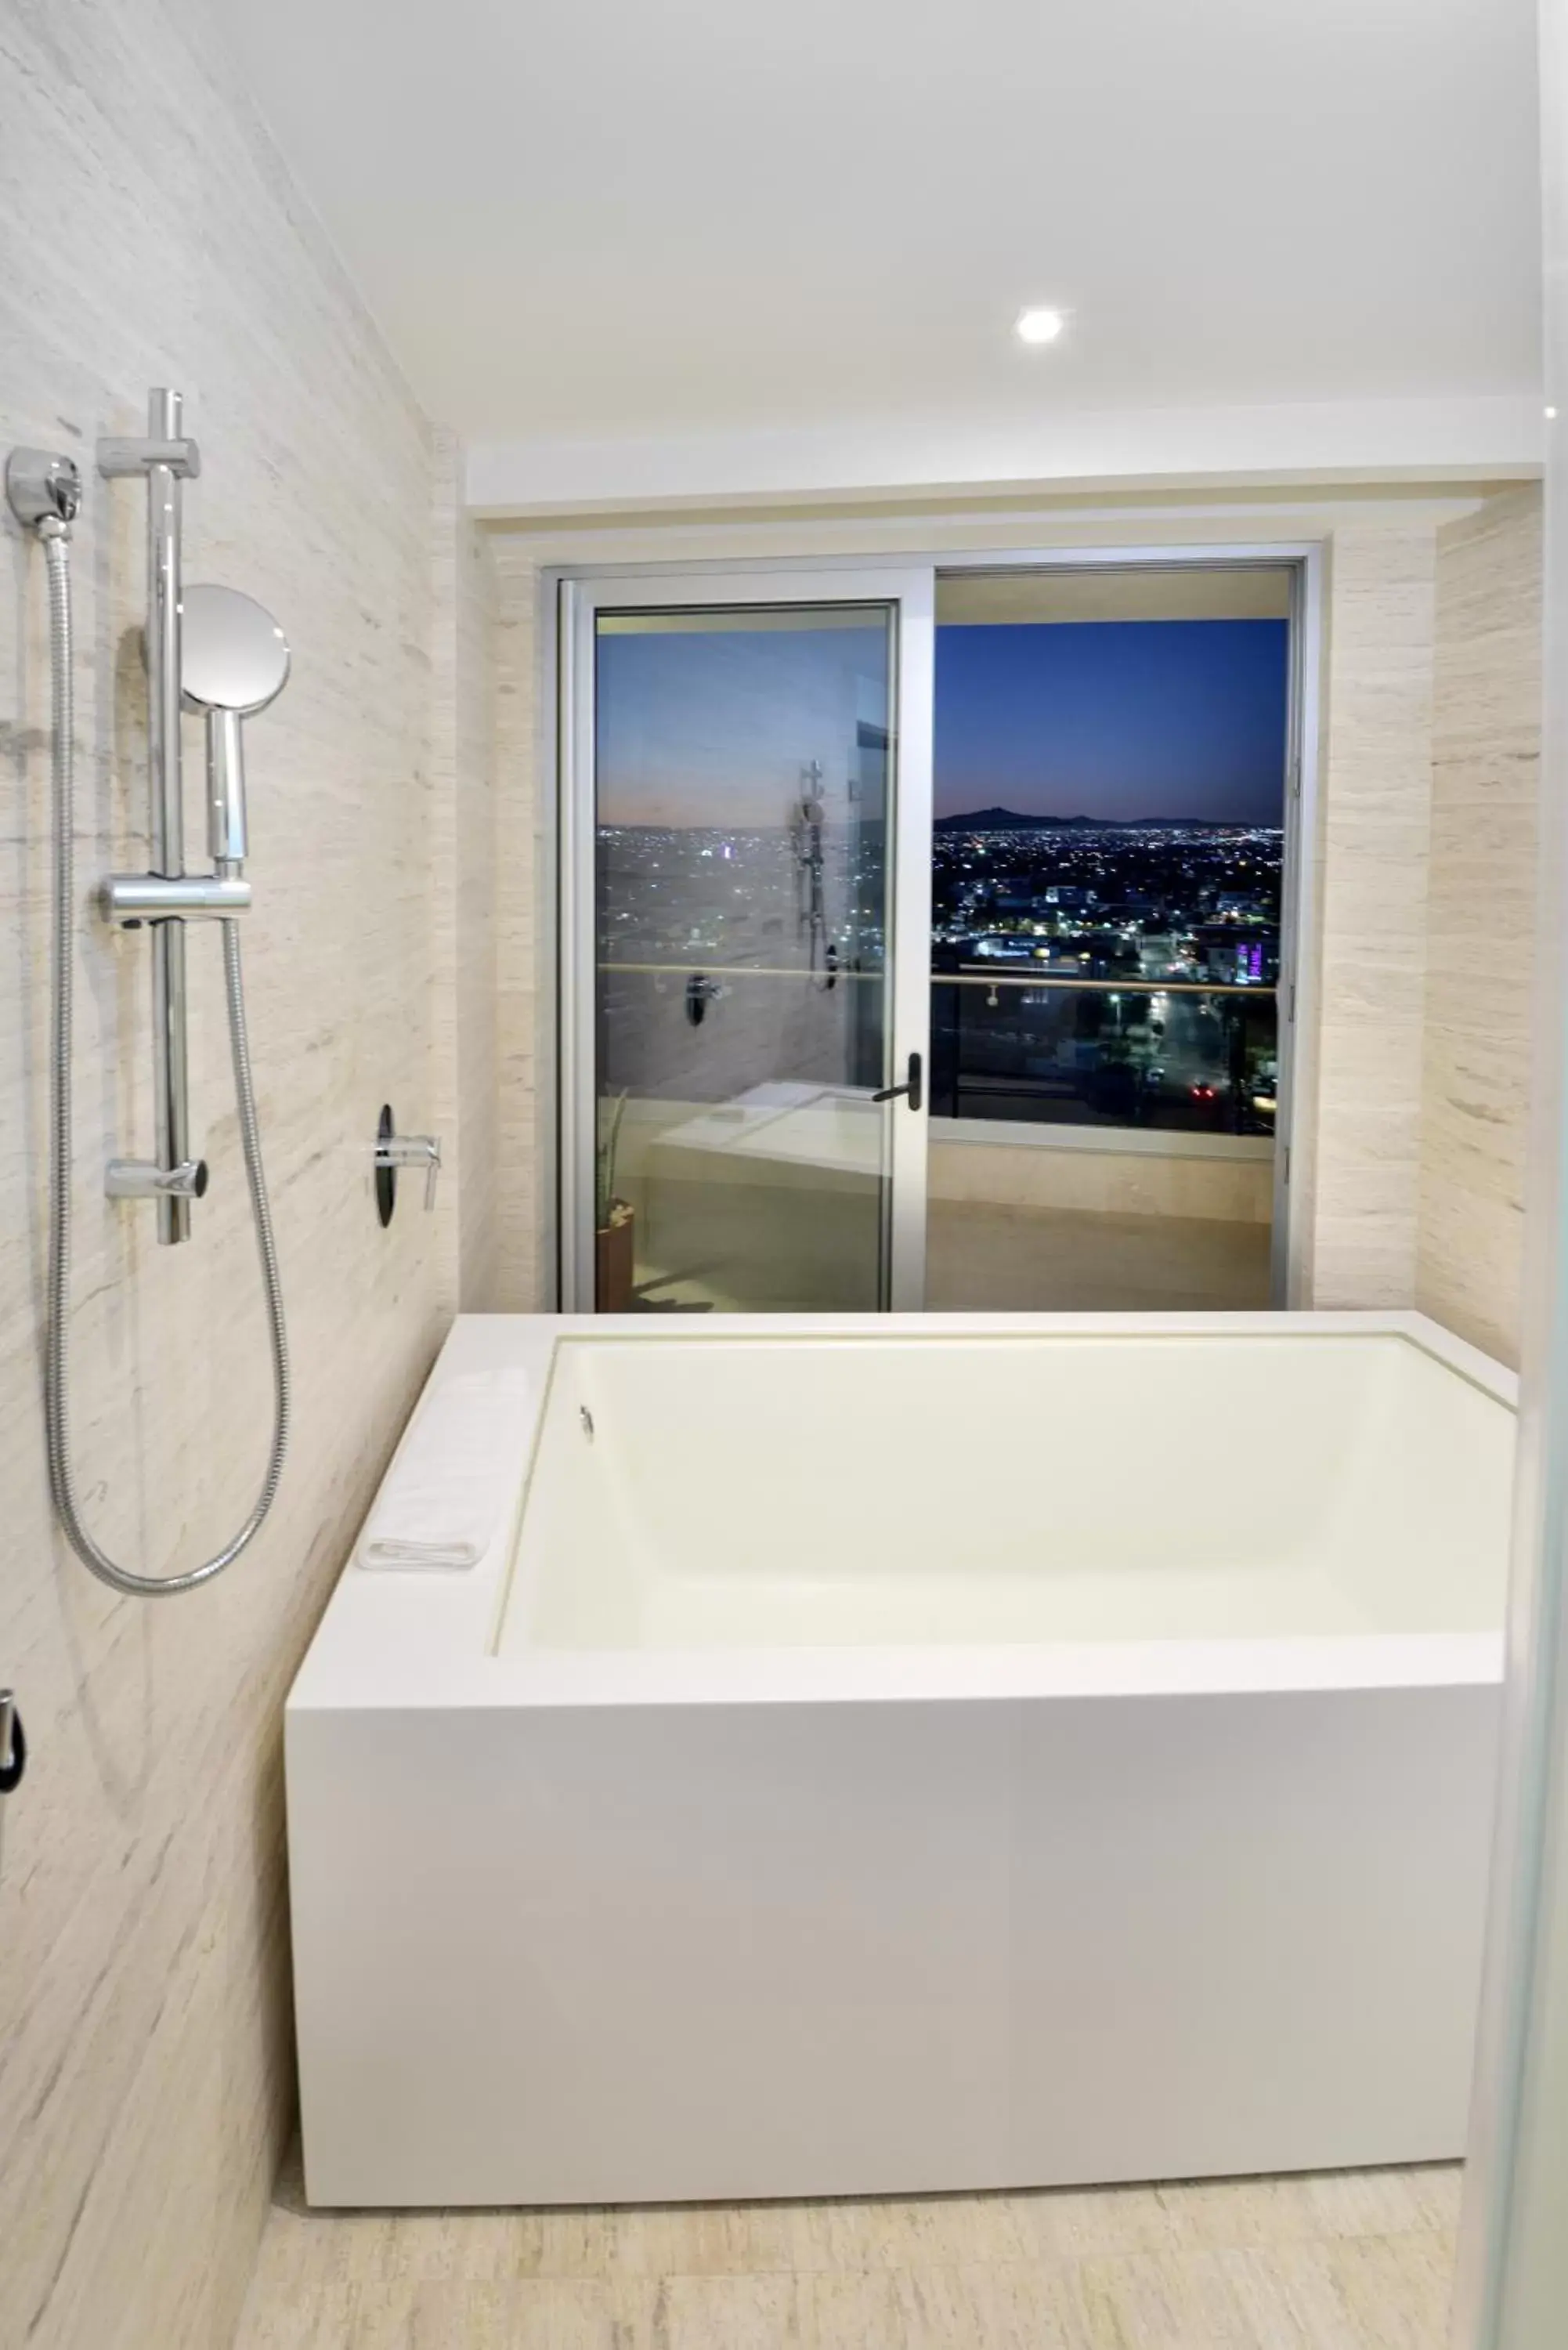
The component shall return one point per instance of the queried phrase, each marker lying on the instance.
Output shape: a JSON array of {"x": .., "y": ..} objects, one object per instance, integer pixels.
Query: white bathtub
[{"x": 880, "y": 1756}]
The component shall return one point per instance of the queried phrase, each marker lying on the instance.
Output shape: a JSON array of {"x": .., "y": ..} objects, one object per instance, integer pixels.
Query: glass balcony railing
[
  {"x": 1178, "y": 1055},
  {"x": 1184, "y": 1055}
]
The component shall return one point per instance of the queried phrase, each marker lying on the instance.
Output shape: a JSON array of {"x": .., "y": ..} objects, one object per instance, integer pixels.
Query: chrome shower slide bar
[{"x": 164, "y": 459}]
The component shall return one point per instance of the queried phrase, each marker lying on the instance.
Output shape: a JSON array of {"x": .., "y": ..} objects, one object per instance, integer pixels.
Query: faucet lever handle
[{"x": 394, "y": 1150}]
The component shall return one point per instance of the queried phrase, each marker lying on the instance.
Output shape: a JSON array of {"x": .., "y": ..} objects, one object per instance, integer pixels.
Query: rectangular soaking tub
[{"x": 891, "y": 1755}]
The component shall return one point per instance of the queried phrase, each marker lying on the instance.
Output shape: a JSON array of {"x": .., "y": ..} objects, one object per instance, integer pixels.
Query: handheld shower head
[{"x": 234, "y": 661}]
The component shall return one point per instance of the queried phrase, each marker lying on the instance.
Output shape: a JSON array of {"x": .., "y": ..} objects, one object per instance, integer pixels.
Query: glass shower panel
[{"x": 742, "y": 771}]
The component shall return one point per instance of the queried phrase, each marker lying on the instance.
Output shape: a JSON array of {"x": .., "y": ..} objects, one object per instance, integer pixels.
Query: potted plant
[{"x": 615, "y": 1238}]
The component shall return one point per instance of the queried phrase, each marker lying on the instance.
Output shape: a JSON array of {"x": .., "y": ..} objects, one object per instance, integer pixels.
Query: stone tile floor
[{"x": 1348, "y": 2260}]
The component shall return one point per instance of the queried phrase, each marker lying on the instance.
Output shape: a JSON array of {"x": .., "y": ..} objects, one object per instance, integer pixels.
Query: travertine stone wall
[
  {"x": 1232, "y": 1187},
  {"x": 1373, "y": 823},
  {"x": 465, "y": 835},
  {"x": 151, "y": 236},
  {"x": 525, "y": 933},
  {"x": 1481, "y": 918}
]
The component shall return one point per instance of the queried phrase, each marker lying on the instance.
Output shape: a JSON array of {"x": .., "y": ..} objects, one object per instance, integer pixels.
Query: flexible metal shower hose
[{"x": 56, "y": 1378}]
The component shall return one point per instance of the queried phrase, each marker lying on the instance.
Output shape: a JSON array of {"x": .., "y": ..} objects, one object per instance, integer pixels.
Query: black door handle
[{"x": 912, "y": 1086}]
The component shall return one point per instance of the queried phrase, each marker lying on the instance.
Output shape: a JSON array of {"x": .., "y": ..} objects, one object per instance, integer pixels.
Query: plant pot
[{"x": 615, "y": 1260}]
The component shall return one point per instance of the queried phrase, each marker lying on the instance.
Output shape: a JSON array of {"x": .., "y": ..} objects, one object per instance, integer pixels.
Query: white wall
[{"x": 1129, "y": 450}]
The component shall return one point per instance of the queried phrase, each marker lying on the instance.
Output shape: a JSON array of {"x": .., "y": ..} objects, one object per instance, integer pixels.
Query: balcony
[
  {"x": 1171, "y": 1055},
  {"x": 1100, "y": 1145},
  {"x": 1091, "y": 1147}
]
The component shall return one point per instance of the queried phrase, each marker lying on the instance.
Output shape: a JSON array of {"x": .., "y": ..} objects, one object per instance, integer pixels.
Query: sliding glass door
[{"x": 746, "y": 909}]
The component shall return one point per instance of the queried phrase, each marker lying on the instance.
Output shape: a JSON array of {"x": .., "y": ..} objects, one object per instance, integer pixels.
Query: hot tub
[{"x": 873, "y": 1755}]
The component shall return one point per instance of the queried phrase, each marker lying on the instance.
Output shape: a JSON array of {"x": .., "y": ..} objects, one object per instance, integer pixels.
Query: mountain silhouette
[{"x": 1005, "y": 819}]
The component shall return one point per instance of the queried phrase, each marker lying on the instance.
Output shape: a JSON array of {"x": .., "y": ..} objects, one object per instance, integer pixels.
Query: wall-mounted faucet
[
  {"x": 701, "y": 992},
  {"x": 414, "y": 1150},
  {"x": 402, "y": 1151}
]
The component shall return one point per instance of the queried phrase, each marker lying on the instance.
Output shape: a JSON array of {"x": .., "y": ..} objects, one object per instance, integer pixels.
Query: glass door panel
[{"x": 741, "y": 797}]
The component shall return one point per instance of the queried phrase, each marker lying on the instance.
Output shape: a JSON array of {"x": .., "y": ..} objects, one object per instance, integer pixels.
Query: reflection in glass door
[{"x": 737, "y": 764}]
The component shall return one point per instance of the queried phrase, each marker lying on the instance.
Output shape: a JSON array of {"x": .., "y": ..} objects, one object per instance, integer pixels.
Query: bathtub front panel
[{"x": 662, "y": 1953}]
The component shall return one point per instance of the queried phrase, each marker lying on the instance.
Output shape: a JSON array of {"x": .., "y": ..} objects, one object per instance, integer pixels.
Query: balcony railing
[{"x": 1045, "y": 1047}]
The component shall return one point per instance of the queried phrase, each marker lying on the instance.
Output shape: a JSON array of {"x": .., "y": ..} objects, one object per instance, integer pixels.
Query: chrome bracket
[
  {"x": 42, "y": 487},
  {"x": 120, "y": 458},
  {"x": 129, "y": 899},
  {"x": 141, "y": 1179}
]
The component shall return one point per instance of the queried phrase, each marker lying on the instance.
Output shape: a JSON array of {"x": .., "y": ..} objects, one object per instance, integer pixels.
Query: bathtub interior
[{"x": 702, "y": 1491}]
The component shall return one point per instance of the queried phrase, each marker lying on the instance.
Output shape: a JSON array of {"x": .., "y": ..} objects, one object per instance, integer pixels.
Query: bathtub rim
[{"x": 428, "y": 1640}]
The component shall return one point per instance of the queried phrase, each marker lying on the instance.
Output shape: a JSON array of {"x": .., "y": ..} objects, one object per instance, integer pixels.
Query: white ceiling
[{"x": 605, "y": 219}]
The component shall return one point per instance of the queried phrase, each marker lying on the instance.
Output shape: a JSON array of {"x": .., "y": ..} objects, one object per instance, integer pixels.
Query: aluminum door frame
[{"x": 910, "y": 591}]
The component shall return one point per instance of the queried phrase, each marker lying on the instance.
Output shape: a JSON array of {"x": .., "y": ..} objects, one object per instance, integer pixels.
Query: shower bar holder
[
  {"x": 163, "y": 458},
  {"x": 121, "y": 460},
  {"x": 129, "y": 899},
  {"x": 139, "y": 1178}
]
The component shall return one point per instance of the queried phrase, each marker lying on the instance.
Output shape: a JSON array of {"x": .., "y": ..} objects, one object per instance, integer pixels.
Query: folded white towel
[{"x": 445, "y": 1489}]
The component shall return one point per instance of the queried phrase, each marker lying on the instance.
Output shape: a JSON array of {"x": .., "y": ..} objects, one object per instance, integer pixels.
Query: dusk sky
[
  {"x": 1100, "y": 718},
  {"x": 713, "y": 725},
  {"x": 1114, "y": 719}
]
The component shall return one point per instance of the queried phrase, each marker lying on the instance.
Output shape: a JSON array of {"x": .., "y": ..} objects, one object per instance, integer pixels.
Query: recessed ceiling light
[{"x": 1039, "y": 326}]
